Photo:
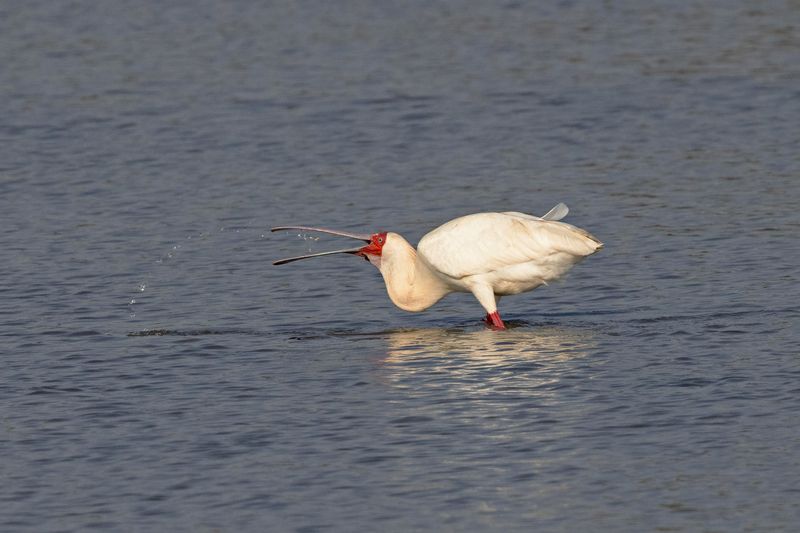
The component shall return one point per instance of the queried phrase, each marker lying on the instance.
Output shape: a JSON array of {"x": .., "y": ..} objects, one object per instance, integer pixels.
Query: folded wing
[{"x": 487, "y": 242}]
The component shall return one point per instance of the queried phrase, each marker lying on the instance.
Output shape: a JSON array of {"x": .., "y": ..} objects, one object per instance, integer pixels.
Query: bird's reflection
[
  {"x": 546, "y": 343},
  {"x": 522, "y": 358}
]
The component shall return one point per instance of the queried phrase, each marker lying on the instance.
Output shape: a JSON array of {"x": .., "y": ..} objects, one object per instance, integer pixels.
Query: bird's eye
[{"x": 380, "y": 240}]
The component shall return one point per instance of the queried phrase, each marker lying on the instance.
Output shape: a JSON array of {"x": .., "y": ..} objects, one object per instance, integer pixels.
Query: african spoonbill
[{"x": 488, "y": 254}]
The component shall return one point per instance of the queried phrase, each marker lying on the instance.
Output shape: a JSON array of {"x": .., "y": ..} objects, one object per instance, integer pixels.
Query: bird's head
[{"x": 372, "y": 252}]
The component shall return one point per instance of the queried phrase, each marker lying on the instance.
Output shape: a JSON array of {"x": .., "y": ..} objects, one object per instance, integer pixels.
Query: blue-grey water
[{"x": 159, "y": 374}]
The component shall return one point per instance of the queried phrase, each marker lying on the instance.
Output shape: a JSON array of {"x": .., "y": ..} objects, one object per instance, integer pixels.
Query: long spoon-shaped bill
[
  {"x": 299, "y": 257},
  {"x": 360, "y": 236}
]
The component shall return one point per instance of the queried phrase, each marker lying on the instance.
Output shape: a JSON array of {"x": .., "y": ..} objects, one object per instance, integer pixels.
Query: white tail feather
[{"x": 557, "y": 213}]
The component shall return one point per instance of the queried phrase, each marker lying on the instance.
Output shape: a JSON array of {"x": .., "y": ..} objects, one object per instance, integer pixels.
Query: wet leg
[
  {"x": 486, "y": 297},
  {"x": 494, "y": 320}
]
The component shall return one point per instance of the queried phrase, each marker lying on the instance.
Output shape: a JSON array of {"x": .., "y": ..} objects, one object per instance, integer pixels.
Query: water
[{"x": 160, "y": 374}]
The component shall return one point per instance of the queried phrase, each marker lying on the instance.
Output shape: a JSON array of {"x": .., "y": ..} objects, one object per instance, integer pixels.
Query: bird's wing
[{"x": 487, "y": 242}]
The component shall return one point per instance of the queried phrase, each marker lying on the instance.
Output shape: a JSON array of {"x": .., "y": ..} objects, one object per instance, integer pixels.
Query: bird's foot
[{"x": 494, "y": 320}]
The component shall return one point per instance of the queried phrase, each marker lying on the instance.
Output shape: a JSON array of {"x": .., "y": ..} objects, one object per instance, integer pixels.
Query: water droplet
[{"x": 142, "y": 287}]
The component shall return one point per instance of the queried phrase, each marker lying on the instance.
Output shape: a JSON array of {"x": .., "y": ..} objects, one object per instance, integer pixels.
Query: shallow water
[{"x": 160, "y": 374}]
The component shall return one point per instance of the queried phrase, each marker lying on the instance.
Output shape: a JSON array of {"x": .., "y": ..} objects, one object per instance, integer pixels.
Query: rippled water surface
[{"x": 159, "y": 374}]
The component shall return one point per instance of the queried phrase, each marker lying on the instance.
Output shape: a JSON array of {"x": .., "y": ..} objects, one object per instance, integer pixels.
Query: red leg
[{"x": 494, "y": 320}]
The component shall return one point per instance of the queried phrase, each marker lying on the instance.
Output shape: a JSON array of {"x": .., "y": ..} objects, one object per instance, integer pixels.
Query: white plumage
[{"x": 488, "y": 254}]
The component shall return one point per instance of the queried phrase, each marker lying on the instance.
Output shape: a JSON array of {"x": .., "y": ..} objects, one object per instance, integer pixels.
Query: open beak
[{"x": 355, "y": 251}]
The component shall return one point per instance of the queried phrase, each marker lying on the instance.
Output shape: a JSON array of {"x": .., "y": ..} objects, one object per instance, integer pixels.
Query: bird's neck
[{"x": 411, "y": 283}]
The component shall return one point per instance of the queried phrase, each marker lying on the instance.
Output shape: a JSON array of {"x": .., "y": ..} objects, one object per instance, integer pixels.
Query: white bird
[{"x": 488, "y": 254}]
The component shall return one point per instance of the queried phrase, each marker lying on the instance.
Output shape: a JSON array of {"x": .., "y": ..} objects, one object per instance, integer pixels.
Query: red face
[{"x": 375, "y": 247}]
